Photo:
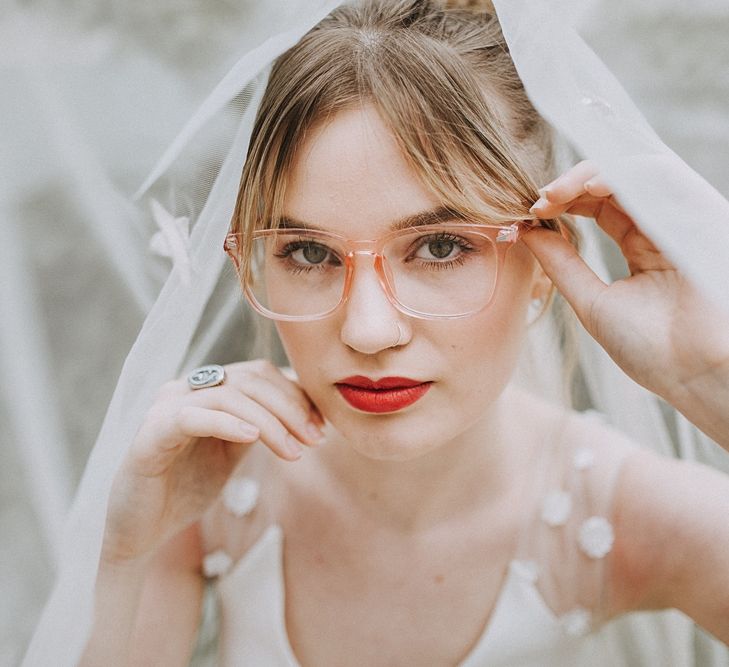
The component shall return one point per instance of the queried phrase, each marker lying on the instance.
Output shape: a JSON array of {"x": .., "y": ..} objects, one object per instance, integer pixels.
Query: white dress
[{"x": 548, "y": 610}]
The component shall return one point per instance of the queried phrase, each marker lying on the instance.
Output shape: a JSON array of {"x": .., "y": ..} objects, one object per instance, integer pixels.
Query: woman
[{"x": 433, "y": 512}]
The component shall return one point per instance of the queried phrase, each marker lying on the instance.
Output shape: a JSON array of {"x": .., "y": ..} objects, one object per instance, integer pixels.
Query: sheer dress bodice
[{"x": 550, "y": 608}]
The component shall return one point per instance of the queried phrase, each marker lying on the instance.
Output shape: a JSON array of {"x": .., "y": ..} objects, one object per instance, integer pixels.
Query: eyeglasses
[{"x": 441, "y": 271}]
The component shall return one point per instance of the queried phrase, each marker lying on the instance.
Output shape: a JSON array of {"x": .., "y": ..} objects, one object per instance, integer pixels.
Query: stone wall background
[{"x": 126, "y": 76}]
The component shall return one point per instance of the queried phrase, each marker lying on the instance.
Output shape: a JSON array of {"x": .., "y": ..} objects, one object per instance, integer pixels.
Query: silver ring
[{"x": 206, "y": 376}]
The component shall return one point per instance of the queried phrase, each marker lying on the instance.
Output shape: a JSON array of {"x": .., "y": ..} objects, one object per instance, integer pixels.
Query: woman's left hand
[{"x": 653, "y": 323}]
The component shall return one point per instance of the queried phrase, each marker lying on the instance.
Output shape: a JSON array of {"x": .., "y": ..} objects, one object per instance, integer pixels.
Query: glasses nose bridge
[{"x": 368, "y": 247}]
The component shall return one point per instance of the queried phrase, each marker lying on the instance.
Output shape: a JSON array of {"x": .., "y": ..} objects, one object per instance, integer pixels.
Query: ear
[{"x": 542, "y": 286}]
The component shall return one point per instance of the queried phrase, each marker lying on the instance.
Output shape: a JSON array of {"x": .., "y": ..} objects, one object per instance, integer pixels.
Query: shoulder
[
  {"x": 585, "y": 443},
  {"x": 672, "y": 535},
  {"x": 572, "y": 534},
  {"x": 592, "y": 427},
  {"x": 668, "y": 522}
]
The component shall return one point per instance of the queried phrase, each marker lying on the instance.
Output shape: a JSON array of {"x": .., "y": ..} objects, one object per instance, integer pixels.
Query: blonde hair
[{"x": 441, "y": 78}]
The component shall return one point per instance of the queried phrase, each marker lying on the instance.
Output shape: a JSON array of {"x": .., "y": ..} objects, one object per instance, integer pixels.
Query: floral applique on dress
[{"x": 240, "y": 496}]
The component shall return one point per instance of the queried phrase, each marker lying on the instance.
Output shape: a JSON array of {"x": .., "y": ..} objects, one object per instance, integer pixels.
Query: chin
[
  {"x": 390, "y": 450},
  {"x": 390, "y": 437}
]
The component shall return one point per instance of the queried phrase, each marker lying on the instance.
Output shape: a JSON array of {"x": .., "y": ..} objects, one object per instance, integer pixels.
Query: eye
[
  {"x": 438, "y": 249},
  {"x": 442, "y": 247},
  {"x": 310, "y": 253}
]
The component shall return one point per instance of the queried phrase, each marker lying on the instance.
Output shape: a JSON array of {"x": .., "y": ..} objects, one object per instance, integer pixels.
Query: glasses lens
[
  {"x": 444, "y": 271},
  {"x": 296, "y": 274}
]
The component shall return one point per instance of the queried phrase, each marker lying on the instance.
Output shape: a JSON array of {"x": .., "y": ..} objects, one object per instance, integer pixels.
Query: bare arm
[
  {"x": 148, "y": 588},
  {"x": 148, "y": 611},
  {"x": 672, "y": 540},
  {"x": 704, "y": 401}
]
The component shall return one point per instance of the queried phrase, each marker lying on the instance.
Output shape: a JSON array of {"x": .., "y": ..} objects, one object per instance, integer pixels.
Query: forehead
[{"x": 350, "y": 177}]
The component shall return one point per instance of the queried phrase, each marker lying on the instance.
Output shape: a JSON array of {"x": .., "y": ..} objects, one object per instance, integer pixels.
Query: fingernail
[
  {"x": 314, "y": 432},
  {"x": 315, "y": 416},
  {"x": 540, "y": 203},
  {"x": 293, "y": 446},
  {"x": 544, "y": 192}
]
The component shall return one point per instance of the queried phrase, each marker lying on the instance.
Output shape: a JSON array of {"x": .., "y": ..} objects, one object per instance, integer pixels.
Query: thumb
[{"x": 575, "y": 280}]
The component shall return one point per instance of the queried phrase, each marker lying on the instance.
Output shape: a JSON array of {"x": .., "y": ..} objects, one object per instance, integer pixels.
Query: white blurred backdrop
[{"x": 91, "y": 92}]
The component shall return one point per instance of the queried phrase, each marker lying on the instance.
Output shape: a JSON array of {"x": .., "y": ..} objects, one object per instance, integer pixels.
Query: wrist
[
  {"x": 125, "y": 562},
  {"x": 704, "y": 400}
]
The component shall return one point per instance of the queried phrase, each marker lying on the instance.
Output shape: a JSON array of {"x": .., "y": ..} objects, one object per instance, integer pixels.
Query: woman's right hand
[
  {"x": 189, "y": 443},
  {"x": 654, "y": 323}
]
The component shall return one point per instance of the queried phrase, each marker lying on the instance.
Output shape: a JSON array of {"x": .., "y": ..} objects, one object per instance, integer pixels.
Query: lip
[{"x": 388, "y": 394}]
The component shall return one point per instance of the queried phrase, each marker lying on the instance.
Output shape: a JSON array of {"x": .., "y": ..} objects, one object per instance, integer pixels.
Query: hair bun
[{"x": 473, "y": 5}]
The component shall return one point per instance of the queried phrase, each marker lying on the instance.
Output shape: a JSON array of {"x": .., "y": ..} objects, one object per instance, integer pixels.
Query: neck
[{"x": 452, "y": 481}]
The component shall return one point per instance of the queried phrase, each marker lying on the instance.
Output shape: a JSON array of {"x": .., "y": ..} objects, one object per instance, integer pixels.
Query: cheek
[
  {"x": 306, "y": 345},
  {"x": 491, "y": 347},
  {"x": 487, "y": 347}
]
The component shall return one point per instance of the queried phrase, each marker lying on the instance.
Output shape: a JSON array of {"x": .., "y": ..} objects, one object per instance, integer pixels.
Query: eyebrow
[{"x": 431, "y": 217}]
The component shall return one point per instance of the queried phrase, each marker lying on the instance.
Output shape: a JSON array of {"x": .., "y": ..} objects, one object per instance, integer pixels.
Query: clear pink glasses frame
[{"x": 502, "y": 236}]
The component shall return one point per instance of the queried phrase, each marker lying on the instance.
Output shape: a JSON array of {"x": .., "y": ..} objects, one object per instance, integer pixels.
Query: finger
[
  {"x": 587, "y": 204},
  {"x": 289, "y": 385},
  {"x": 613, "y": 221},
  {"x": 167, "y": 429},
  {"x": 571, "y": 184},
  {"x": 196, "y": 422},
  {"x": 570, "y": 274},
  {"x": 288, "y": 381},
  {"x": 639, "y": 251},
  {"x": 555, "y": 196},
  {"x": 290, "y": 375},
  {"x": 292, "y": 409},
  {"x": 605, "y": 210},
  {"x": 598, "y": 187},
  {"x": 273, "y": 432}
]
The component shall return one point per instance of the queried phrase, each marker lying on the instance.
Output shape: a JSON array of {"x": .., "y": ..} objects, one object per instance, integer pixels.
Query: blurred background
[{"x": 92, "y": 93}]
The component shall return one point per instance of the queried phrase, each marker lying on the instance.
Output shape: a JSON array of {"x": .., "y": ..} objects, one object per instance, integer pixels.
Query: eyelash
[
  {"x": 464, "y": 245},
  {"x": 291, "y": 248}
]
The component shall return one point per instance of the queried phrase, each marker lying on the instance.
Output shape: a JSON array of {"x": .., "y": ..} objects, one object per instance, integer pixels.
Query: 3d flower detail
[
  {"x": 240, "y": 495},
  {"x": 216, "y": 563},
  {"x": 556, "y": 508},
  {"x": 596, "y": 537},
  {"x": 526, "y": 569},
  {"x": 584, "y": 458},
  {"x": 576, "y": 622},
  {"x": 597, "y": 103},
  {"x": 172, "y": 240}
]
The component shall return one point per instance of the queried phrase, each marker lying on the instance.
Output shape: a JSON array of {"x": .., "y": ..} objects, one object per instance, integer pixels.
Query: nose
[{"x": 371, "y": 322}]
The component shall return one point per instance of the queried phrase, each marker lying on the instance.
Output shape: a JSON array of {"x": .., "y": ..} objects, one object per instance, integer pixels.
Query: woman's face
[{"x": 350, "y": 178}]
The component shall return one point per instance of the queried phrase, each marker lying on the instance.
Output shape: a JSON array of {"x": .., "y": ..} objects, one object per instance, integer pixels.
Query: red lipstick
[{"x": 388, "y": 394}]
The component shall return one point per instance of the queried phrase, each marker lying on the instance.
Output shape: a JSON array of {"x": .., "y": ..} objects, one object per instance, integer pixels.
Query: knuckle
[
  {"x": 167, "y": 389},
  {"x": 249, "y": 371},
  {"x": 161, "y": 409},
  {"x": 262, "y": 366},
  {"x": 303, "y": 414},
  {"x": 185, "y": 416},
  {"x": 289, "y": 373},
  {"x": 244, "y": 377},
  {"x": 272, "y": 429}
]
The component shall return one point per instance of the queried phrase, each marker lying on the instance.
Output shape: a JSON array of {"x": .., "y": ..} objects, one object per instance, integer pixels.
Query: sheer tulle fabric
[{"x": 572, "y": 89}]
